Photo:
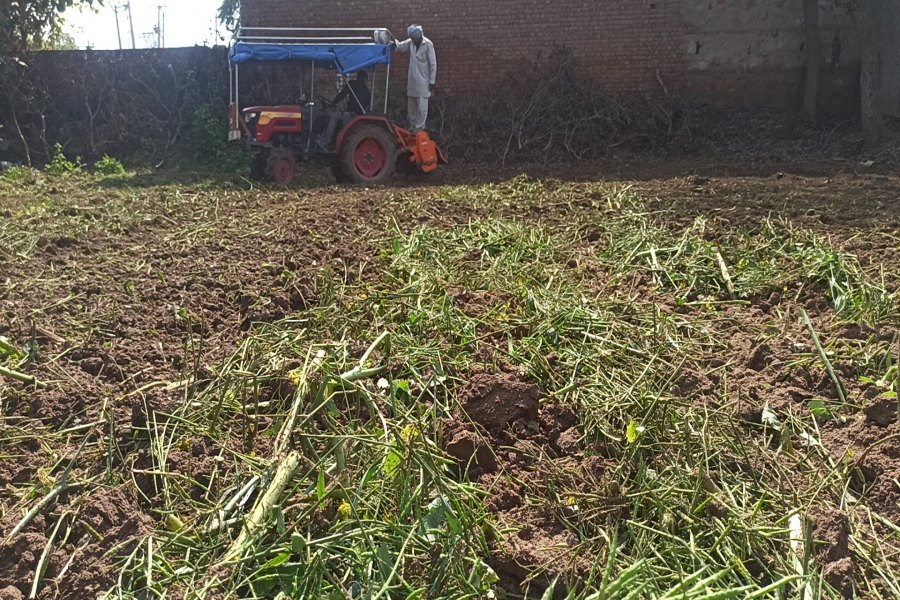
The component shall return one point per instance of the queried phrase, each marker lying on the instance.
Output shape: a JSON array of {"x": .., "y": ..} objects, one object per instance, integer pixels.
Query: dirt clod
[
  {"x": 569, "y": 441},
  {"x": 92, "y": 365},
  {"x": 117, "y": 515},
  {"x": 831, "y": 532},
  {"x": 498, "y": 403},
  {"x": 760, "y": 358},
  {"x": 11, "y": 593},
  {"x": 839, "y": 575},
  {"x": 502, "y": 411},
  {"x": 882, "y": 412},
  {"x": 470, "y": 451}
]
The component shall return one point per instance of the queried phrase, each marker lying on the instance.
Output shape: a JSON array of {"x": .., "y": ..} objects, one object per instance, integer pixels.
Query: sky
[{"x": 187, "y": 23}]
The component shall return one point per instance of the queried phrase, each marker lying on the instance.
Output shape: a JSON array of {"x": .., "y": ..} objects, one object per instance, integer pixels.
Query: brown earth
[
  {"x": 112, "y": 315},
  {"x": 504, "y": 438}
]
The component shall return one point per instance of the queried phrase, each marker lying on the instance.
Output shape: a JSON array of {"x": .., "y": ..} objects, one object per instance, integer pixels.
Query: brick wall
[
  {"x": 621, "y": 44},
  {"x": 722, "y": 51}
]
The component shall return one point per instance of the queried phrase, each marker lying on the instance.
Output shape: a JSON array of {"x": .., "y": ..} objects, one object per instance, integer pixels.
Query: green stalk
[
  {"x": 839, "y": 387},
  {"x": 16, "y": 375},
  {"x": 45, "y": 555},
  {"x": 283, "y": 475}
]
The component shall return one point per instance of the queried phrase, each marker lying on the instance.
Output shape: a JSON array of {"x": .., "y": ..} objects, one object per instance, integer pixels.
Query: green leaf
[
  {"x": 7, "y": 350},
  {"x": 277, "y": 561},
  {"x": 320, "y": 486},
  {"x": 391, "y": 463},
  {"x": 436, "y": 512},
  {"x": 818, "y": 408},
  {"x": 549, "y": 593},
  {"x": 453, "y": 523},
  {"x": 385, "y": 560},
  {"x": 634, "y": 432},
  {"x": 368, "y": 477},
  {"x": 298, "y": 543}
]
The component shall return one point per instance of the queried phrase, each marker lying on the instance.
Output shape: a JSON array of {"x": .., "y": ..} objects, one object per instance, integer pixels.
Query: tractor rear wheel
[
  {"x": 258, "y": 165},
  {"x": 281, "y": 166},
  {"x": 369, "y": 155}
]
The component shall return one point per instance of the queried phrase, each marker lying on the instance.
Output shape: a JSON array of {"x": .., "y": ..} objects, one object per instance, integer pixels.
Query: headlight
[{"x": 249, "y": 117}]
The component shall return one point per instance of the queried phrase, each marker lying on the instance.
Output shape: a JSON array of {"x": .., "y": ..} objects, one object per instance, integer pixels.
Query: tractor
[{"x": 367, "y": 150}]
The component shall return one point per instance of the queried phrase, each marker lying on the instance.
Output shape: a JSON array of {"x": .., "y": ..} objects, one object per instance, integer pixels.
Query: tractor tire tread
[
  {"x": 348, "y": 167},
  {"x": 274, "y": 156}
]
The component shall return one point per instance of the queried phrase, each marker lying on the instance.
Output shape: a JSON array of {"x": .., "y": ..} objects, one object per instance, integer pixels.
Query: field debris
[{"x": 657, "y": 387}]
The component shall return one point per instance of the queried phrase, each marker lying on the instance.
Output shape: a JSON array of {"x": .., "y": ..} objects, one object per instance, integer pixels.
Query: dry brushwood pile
[
  {"x": 553, "y": 115},
  {"x": 676, "y": 387}
]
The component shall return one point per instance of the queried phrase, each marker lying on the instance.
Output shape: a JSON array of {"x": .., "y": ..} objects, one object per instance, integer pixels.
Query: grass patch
[{"x": 311, "y": 462}]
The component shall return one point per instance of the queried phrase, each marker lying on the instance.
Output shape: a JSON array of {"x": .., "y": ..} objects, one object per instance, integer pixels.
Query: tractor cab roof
[{"x": 347, "y": 50}]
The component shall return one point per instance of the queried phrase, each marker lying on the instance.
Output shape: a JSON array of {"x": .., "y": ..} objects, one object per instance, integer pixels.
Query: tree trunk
[
  {"x": 870, "y": 76},
  {"x": 813, "y": 56},
  {"x": 12, "y": 93}
]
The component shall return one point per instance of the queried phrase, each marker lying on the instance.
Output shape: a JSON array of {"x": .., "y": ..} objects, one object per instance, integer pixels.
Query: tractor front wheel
[
  {"x": 281, "y": 166},
  {"x": 369, "y": 155}
]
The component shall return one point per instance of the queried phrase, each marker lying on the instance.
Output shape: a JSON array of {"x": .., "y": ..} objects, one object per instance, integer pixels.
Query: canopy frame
[{"x": 348, "y": 50}]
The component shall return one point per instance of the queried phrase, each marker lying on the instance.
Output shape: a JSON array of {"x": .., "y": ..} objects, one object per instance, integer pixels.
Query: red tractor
[{"x": 367, "y": 149}]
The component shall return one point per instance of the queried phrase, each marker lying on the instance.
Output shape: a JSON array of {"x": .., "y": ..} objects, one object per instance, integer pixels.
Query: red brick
[{"x": 620, "y": 44}]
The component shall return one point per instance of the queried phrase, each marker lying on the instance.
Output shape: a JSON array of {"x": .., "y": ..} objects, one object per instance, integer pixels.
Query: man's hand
[
  {"x": 431, "y": 87},
  {"x": 393, "y": 44}
]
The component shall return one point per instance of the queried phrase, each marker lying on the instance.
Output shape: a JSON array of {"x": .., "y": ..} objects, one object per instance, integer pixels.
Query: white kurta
[{"x": 422, "y": 67}]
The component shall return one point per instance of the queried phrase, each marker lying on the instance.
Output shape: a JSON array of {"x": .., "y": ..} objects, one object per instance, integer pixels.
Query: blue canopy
[{"x": 347, "y": 58}]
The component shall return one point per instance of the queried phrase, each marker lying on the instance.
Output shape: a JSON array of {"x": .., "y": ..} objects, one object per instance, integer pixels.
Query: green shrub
[
  {"x": 60, "y": 165},
  {"x": 209, "y": 127},
  {"x": 21, "y": 175},
  {"x": 109, "y": 166}
]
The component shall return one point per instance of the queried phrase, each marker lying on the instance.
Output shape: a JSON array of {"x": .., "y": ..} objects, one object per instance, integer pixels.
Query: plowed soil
[{"x": 115, "y": 312}]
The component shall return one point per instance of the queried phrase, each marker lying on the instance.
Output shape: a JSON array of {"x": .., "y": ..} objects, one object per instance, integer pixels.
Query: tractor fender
[{"x": 361, "y": 120}]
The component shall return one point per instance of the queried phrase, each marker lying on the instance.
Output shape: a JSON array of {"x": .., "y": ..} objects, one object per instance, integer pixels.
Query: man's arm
[
  {"x": 402, "y": 46},
  {"x": 345, "y": 91},
  {"x": 432, "y": 62}
]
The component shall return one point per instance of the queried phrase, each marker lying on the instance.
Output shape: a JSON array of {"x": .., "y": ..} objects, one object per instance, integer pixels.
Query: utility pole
[
  {"x": 131, "y": 24},
  {"x": 116, "y": 10},
  {"x": 160, "y": 26}
]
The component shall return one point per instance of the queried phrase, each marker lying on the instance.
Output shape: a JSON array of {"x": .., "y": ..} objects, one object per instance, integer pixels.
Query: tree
[
  {"x": 870, "y": 75},
  {"x": 60, "y": 41},
  {"x": 229, "y": 14},
  {"x": 25, "y": 25},
  {"x": 28, "y": 24}
]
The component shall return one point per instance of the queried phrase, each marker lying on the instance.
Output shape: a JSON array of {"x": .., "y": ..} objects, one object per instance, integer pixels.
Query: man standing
[{"x": 422, "y": 75}]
